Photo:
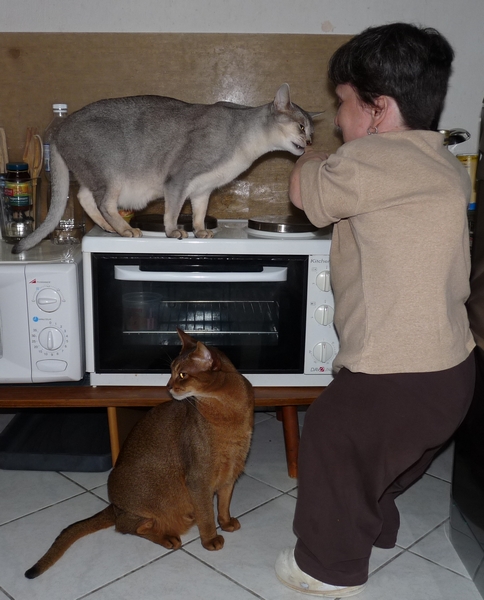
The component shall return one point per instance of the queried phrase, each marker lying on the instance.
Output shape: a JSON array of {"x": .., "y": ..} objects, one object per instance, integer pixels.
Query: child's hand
[
  {"x": 294, "y": 181},
  {"x": 311, "y": 154}
]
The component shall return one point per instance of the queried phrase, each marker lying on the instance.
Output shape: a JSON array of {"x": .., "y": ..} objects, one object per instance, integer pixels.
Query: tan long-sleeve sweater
[{"x": 400, "y": 256}]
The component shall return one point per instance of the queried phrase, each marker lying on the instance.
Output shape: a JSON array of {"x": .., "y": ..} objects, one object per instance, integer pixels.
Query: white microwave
[
  {"x": 263, "y": 297},
  {"x": 41, "y": 314}
]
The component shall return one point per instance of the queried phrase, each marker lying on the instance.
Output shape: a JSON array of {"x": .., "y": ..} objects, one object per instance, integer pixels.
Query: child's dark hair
[{"x": 409, "y": 63}]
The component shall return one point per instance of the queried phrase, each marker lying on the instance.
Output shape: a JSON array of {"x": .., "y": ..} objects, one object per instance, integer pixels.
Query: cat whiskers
[
  {"x": 167, "y": 359},
  {"x": 193, "y": 401}
]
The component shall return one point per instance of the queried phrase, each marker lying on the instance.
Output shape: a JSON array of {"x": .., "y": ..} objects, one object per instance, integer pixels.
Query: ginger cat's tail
[{"x": 101, "y": 520}]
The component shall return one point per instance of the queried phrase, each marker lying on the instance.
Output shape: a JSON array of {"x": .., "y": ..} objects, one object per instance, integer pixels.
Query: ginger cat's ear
[
  {"x": 216, "y": 363},
  {"x": 187, "y": 341},
  {"x": 207, "y": 357}
]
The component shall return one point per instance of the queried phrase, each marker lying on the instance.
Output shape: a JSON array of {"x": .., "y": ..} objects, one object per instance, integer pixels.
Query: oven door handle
[{"x": 133, "y": 273}]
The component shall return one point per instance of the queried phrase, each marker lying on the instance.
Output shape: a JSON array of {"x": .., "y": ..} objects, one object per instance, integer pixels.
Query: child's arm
[{"x": 294, "y": 177}]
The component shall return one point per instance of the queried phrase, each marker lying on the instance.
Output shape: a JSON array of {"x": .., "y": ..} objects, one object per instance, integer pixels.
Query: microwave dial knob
[
  {"x": 323, "y": 351},
  {"x": 323, "y": 281},
  {"x": 324, "y": 314},
  {"x": 48, "y": 300},
  {"x": 51, "y": 338}
]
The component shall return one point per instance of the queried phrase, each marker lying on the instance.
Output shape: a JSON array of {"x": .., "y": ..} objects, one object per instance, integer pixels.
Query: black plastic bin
[{"x": 57, "y": 440}]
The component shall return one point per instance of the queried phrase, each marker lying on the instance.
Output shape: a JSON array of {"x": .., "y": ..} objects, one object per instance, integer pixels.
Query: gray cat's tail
[
  {"x": 60, "y": 192},
  {"x": 68, "y": 536}
]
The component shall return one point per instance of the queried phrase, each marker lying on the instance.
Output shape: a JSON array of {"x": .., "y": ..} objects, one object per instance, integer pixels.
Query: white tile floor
[{"x": 35, "y": 506}]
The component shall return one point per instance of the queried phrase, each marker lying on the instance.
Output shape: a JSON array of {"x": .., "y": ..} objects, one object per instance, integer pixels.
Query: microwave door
[{"x": 15, "y": 361}]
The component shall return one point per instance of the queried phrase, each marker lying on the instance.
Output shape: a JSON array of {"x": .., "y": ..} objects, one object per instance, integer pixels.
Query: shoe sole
[{"x": 344, "y": 593}]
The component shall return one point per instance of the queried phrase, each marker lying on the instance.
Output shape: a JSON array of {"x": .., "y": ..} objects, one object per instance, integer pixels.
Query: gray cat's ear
[
  {"x": 316, "y": 115},
  {"x": 282, "y": 99},
  {"x": 187, "y": 341}
]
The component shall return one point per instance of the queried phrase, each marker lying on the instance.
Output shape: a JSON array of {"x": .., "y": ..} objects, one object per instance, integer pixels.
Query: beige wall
[
  {"x": 77, "y": 68},
  {"x": 460, "y": 21}
]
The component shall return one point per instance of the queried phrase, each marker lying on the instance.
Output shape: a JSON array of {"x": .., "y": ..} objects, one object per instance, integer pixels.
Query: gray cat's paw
[
  {"x": 177, "y": 234},
  {"x": 204, "y": 233},
  {"x": 132, "y": 232}
]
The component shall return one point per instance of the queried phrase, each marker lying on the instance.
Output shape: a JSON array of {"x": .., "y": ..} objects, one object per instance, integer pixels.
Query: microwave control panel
[
  {"x": 54, "y": 321},
  {"x": 321, "y": 338}
]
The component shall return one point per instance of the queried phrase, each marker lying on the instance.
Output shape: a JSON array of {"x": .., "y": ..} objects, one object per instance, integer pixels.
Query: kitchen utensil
[
  {"x": 458, "y": 136},
  {"x": 34, "y": 155},
  {"x": 28, "y": 137},
  {"x": 3, "y": 151},
  {"x": 33, "y": 151}
]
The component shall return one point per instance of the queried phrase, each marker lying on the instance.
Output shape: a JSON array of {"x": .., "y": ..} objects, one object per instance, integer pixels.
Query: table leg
[
  {"x": 290, "y": 425},
  {"x": 113, "y": 432}
]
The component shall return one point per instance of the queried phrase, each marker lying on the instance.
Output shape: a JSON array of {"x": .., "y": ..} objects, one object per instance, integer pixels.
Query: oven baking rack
[{"x": 214, "y": 322}]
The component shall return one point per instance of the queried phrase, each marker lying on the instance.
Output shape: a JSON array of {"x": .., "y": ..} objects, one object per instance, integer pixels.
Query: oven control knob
[
  {"x": 48, "y": 300},
  {"x": 324, "y": 314},
  {"x": 323, "y": 352},
  {"x": 51, "y": 338},
  {"x": 323, "y": 281}
]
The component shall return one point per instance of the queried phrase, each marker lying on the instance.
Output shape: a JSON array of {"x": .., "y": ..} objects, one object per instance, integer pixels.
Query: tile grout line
[
  {"x": 442, "y": 567},
  {"x": 6, "y": 593},
  {"x": 439, "y": 478},
  {"x": 81, "y": 493},
  {"x": 250, "y": 510},
  {"x": 63, "y": 474},
  {"x": 422, "y": 537},
  {"x": 159, "y": 559},
  {"x": 270, "y": 484},
  {"x": 409, "y": 549},
  {"x": 223, "y": 574},
  {"x": 124, "y": 575}
]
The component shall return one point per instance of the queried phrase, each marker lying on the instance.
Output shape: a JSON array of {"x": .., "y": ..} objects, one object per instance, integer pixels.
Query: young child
[{"x": 400, "y": 274}]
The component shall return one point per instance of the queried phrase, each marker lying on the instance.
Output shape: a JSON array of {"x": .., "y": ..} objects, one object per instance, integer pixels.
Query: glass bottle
[
  {"x": 71, "y": 227},
  {"x": 60, "y": 113}
]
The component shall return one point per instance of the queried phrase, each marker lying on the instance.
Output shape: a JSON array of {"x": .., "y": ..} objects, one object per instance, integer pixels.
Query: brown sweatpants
[{"x": 365, "y": 440}]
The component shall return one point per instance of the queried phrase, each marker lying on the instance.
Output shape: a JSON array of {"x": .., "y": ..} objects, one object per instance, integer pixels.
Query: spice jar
[{"x": 17, "y": 206}]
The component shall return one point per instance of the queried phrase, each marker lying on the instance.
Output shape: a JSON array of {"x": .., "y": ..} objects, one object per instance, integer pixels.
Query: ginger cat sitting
[{"x": 176, "y": 458}]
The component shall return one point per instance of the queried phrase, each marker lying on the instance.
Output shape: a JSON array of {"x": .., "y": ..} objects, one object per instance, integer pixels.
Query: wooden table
[{"x": 285, "y": 399}]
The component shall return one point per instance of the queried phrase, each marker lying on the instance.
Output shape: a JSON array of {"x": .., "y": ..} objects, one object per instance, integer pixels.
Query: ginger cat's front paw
[
  {"x": 216, "y": 543},
  {"x": 231, "y": 525},
  {"x": 172, "y": 542}
]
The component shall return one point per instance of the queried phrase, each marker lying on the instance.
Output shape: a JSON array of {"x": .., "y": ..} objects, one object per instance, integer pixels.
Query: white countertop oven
[{"x": 259, "y": 290}]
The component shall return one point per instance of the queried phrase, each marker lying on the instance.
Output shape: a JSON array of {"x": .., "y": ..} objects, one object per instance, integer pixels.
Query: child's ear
[{"x": 379, "y": 108}]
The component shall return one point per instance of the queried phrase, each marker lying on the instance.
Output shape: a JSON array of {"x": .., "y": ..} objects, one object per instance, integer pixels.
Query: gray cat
[{"x": 126, "y": 152}]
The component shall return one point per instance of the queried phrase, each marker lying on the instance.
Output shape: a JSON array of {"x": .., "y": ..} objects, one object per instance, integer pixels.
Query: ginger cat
[{"x": 176, "y": 458}]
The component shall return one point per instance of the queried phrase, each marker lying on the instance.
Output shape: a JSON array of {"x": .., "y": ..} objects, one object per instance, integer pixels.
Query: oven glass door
[{"x": 253, "y": 308}]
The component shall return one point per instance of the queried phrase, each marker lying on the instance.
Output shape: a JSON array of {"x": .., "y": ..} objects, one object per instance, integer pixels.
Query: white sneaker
[{"x": 291, "y": 575}]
